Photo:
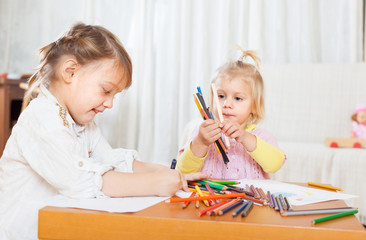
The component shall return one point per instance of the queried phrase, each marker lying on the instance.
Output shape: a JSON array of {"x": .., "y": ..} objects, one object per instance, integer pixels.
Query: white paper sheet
[
  {"x": 127, "y": 204},
  {"x": 297, "y": 195}
]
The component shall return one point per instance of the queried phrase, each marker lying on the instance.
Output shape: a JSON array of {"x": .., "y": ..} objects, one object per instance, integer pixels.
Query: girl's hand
[
  {"x": 191, "y": 177},
  {"x": 233, "y": 130},
  {"x": 209, "y": 132},
  {"x": 172, "y": 180},
  {"x": 236, "y": 131}
]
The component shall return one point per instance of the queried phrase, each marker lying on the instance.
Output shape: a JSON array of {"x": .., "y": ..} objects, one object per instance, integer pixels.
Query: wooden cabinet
[{"x": 11, "y": 97}]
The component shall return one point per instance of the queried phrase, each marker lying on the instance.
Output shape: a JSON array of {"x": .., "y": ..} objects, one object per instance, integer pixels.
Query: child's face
[
  {"x": 92, "y": 90},
  {"x": 235, "y": 96},
  {"x": 361, "y": 117}
]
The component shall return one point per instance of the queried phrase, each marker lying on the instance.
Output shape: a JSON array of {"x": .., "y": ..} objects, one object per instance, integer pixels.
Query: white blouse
[{"x": 49, "y": 154}]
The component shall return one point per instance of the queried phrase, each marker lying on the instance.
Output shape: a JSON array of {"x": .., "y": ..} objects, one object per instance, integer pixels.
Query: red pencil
[
  {"x": 174, "y": 200},
  {"x": 211, "y": 192}
]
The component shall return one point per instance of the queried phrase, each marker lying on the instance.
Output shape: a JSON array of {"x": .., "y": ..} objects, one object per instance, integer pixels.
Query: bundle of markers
[{"x": 242, "y": 198}]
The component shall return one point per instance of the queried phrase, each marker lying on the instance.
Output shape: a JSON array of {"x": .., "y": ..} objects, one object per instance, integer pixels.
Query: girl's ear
[{"x": 68, "y": 69}]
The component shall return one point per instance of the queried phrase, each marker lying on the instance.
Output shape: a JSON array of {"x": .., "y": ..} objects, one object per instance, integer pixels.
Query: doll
[{"x": 359, "y": 122}]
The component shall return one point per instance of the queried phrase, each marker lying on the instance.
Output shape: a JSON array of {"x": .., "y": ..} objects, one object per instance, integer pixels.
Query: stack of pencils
[{"x": 206, "y": 114}]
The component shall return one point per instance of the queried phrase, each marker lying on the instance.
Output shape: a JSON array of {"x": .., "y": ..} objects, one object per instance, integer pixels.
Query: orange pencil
[{"x": 174, "y": 200}]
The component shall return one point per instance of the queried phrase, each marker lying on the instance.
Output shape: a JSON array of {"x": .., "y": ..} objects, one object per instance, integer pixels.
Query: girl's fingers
[{"x": 184, "y": 183}]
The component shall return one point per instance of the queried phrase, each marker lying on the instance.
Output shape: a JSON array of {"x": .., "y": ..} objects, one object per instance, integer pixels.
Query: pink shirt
[{"x": 241, "y": 164}]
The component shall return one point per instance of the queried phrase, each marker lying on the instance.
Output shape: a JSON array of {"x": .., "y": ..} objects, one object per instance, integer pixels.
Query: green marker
[{"x": 338, "y": 215}]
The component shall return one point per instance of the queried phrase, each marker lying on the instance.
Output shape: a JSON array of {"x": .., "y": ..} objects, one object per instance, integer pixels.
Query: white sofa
[{"x": 306, "y": 104}]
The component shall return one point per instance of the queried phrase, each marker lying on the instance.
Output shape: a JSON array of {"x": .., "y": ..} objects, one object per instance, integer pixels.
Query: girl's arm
[{"x": 146, "y": 180}]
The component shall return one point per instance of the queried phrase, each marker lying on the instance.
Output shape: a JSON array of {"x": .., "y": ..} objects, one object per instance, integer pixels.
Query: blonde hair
[
  {"x": 249, "y": 73},
  {"x": 86, "y": 43}
]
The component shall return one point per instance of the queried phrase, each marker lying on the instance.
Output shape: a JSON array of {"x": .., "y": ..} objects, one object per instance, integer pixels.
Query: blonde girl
[{"x": 253, "y": 152}]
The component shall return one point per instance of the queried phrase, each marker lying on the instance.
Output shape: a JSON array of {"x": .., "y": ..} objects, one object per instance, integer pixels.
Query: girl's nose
[
  {"x": 108, "y": 103},
  {"x": 227, "y": 103}
]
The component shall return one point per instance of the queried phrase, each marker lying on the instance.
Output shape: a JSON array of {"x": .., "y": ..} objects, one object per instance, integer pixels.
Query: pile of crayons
[{"x": 210, "y": 191}]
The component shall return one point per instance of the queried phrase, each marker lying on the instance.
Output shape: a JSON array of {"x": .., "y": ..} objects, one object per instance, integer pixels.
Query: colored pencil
[
  {"x": 174, "y": 200},
  {"x": 219, "y": 111},
  {"x": 194, "y": 190},
  {"x": 241, "y": 208},
  {"x": 217, "y": 210},
  {"x": 197, "y": 201},
  {"x": 264, "y": 194},
  {"x": 206, "y": 115},
  {"x": 235, "y": 189},
  {"x": 289, "y": 208},
  {"x": 270, "y": 199},
  {"x": 198, "y": 105},
  {"x": 234, "y": 205},
  {"x": 334, "y": 216},
  {"x": 247, "y": 209},
  {"x": 255, "y": 200},
  {"x": 225, "y": 182},
  {"x": 213, "y": 185},
  {"x": 282, "y": 201},
  {"x": 316, "y": 211},
  {"x": 324, "y": 186},
  {"x": 276, "y": 207},
  {"x": 212, "y": 207},
  {"x": 201, "y": 195},
  {"x": 199, "y": 90},
  {"x": 261, "y": 193},
  {"x": 211, "y": 192},
  {"x": 185, "y": 204},
  {"x": 256, "y": 194},
  {"x": 279, "y": 204}
]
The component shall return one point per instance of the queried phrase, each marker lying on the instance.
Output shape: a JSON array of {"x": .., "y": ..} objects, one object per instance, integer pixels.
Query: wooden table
[
  {"x": 169, "y": 221},
  {"x": 10, "y": 103}
]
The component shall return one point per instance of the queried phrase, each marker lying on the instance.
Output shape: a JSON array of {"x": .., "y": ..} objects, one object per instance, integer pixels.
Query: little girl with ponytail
[{"x": 253, "y": 152}]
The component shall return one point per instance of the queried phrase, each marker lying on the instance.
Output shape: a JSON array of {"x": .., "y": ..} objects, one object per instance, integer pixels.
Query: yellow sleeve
[
  {"x": 267, "y": 156},
  {"x": 188, "y": 163}
]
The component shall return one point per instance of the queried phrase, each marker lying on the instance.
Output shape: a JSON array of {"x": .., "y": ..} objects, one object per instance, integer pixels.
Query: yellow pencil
[
  {"x": 325, "y": 186},
  {"x": 201, "y": 195}
]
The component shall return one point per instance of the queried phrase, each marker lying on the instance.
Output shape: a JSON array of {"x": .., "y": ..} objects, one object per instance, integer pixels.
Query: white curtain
[{"x": 176, "y": 45}]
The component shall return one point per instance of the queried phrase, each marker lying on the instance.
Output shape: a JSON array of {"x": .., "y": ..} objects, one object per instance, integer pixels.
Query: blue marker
[{"x": 174, "y": 162}]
